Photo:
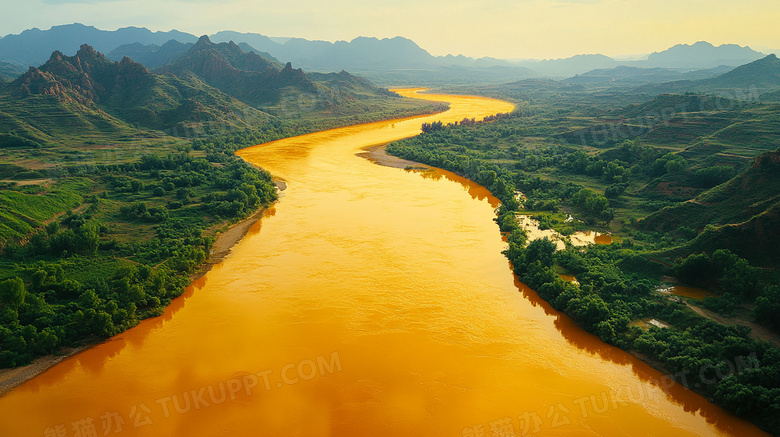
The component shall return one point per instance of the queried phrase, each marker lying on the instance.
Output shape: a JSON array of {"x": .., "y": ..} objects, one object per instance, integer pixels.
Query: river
[{"x": 369, "y": 301}]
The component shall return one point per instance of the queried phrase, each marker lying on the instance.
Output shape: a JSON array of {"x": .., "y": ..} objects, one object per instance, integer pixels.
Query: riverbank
[
  {"x": 224, "y": 242},
  {"x": 378, "y": 155},
  {"x": 228, "y": 238},
  {"x": 14, "y": 377}
]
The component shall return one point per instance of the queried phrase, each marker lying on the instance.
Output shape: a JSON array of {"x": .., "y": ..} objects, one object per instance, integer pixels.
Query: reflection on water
[
  {"x": 691, "y": 292},
  {"x": 583, "y": 238},
  {"x": 371, "y": 301},
  {"x": 579, "y": 238}
]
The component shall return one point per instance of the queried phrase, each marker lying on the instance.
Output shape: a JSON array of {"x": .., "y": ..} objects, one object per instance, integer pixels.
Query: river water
[{"x": 370, "y": 301}]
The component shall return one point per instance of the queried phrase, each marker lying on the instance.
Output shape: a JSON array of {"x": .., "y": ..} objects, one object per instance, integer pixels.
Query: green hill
[
  {"x": 772, "y": 96},
  {"x": 10, "y": 71},
  {"x": 741, "y": 215},
  {"x": 746, "y": 82},
  {"x": 670, "y": 104},
  {"x": 763, "y": 74},
  {"x": 345, "y": 82}
]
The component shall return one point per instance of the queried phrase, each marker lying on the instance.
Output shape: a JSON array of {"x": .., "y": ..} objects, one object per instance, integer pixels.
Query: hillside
[
  {"x": 763, "y": 73},
  {"x": 772, "y": 96},
  {"x": 745, "y": 82},
  {"x": 670, "y": 104},
  {"x": 625, "y": 75},
  {"x": 741, "y": 215},
  {"x": 10, "y": 71}
]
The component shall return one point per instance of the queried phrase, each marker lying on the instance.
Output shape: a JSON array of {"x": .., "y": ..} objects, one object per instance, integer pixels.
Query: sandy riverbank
[
  {"x": 12, "y": 378},
  {"x": 378, "y": 155}
]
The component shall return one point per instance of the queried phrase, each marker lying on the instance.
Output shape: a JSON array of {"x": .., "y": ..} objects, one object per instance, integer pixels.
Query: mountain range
[
  {"x": 88, "y": 93},
  {"x": 153, "y": 56},
  {"x": 625, "y": 75},
  {"x": 248, "y": 77},
  {"x": 215, "y": 83},
  {"x": 387, "y": 60},
  {"x": 33, "y": 46}
]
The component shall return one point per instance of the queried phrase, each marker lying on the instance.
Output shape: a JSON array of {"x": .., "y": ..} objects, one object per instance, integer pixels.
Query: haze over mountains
[
  {"x": 388, "y": 60},
  {"x": 760, "y": 76}
]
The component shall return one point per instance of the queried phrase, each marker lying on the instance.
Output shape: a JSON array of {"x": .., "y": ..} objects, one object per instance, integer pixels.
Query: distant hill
[
  {"x": 10, "y": 71},
  {"x": 569, "y": 66},
  {"x": 265, "y": 55},
  {"x": 245, "y": 76},
  {"x": 256, "y": 40},
  {"x": 361, "y": 53},
  {"x": 667, "y": 65},
  {"x": 743, "y": 82},
  {"x": 153, "y": 56},
  {"x": 33, "y": 47},
  {"x": 763, "y": 73},
  {"x": 625, "y": 75},
  {"x": 744, "y": 214},
  {"x": 772, "y": 96},
  {"x": 702, "y": 55},
  {"x": 665, "y": 105},
  {"x": 397, "y": 61},
  {"x": 344, "y": 82}
]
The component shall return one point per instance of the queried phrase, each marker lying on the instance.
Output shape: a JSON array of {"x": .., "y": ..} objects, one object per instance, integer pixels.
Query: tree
[
  {"x": 767, "y": 309},
  {"x": 615, "y": 190},
  {"x": 677, "y": 164},
  {"x": 12, "y": 292},
  {"x": 542, "y": 250}
]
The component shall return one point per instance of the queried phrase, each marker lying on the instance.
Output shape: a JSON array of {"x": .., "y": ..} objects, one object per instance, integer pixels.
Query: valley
[{"x": 181, "y": 215}]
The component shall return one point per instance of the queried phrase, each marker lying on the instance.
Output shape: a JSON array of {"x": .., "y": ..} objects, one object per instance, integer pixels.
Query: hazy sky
[{"x": 498, "y": 28}]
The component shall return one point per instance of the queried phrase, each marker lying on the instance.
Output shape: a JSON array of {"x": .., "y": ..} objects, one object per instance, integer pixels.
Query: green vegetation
[
  {"x": 103, "y": 216},
  {"x": 123, "y": 254},
  {"x": 678, "y": 200}
]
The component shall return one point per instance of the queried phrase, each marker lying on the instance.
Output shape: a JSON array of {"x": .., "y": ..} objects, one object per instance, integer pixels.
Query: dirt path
[{"x": 758, "y": 332}]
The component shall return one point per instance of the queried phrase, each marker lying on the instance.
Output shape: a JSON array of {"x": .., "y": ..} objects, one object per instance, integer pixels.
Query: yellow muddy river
[{"x": 370, "y": 301}]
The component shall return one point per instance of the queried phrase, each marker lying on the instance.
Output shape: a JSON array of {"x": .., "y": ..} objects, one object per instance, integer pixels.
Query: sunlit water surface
[{"x": 370, "y": 301}]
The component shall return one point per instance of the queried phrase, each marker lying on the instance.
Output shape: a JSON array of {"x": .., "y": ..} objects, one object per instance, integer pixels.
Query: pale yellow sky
[{"x": 497, "y": 28}]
